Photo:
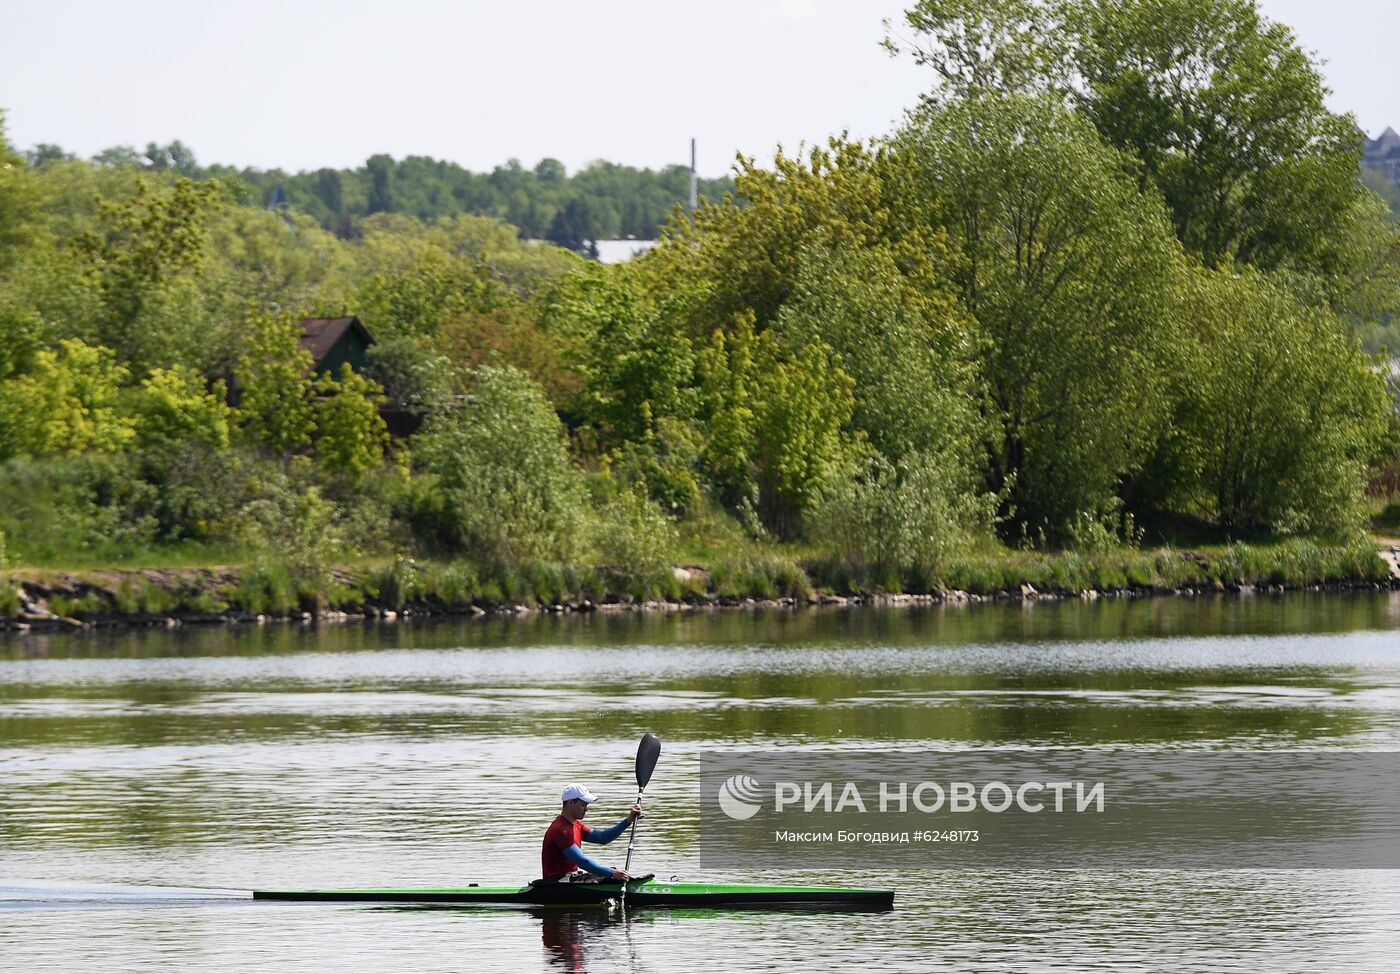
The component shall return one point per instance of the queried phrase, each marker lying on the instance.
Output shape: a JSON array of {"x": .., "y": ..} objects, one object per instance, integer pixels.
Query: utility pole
[{"x": 694, "y": 180}]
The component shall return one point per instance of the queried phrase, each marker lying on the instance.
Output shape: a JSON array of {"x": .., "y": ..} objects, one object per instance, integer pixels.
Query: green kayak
[{"x": 640, "y": 892}]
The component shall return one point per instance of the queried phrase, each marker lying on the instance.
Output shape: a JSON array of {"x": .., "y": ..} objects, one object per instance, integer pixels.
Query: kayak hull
[{"x": 639, "y": 893}]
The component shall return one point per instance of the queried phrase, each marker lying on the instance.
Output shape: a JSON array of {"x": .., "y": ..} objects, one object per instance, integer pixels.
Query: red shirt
[{"x": 558, "y": 837}]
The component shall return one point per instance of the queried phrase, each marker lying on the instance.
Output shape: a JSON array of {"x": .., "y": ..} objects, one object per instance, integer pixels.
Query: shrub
[
  {"x": 396, "y": 583},
  {"x": 137, "y": 595},
  {"x": 549, "y": 581},
  {"x": 419, "y": 503},
  {"x": 456, "y": 583},
  {"x": 664, "y": 463},
  {"x": 1103, "y": 532},
  {"x": 899, "y": 519},
  {"x": 294, "y": 532},
  {"x": 266, "y": 588},
  {"x": 205, "y": 602},
  {"x": 510, "y": 493},
  {"x": 759, "y": 575},
  {"x": 637, "y": 545},
  {"x": 158, "y": 600},
  {"x": 82, "y": 507},
  {"x": 89, "y": 603}
]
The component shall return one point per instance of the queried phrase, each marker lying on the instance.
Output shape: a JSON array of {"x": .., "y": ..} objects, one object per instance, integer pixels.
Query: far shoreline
[{"x": 46, "y": 601}]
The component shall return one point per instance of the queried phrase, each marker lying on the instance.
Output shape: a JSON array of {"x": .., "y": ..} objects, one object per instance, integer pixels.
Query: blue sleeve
[
  {"x": 575, "y": 855},
  {"x": 604, "y": 836}
]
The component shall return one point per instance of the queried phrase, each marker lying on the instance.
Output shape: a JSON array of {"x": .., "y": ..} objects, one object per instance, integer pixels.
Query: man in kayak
[{"x": 562, "y": 857}]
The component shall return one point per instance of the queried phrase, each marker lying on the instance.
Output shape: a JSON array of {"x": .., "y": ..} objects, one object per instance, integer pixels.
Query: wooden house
[{"x": 334, "y": 342}]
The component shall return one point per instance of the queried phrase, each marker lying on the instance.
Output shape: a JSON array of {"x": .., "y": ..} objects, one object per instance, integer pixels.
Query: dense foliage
[
  {"x": 602, "y": 201},
  {"x": 1085, "y": 288}
]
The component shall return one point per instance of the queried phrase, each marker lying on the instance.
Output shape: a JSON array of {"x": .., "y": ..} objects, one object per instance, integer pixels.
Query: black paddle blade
[{"x": 648, "y": 752}]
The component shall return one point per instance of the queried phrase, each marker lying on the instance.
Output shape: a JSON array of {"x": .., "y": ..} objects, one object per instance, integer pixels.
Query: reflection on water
[
  {"x": 566, "y": 935},
  {"x": 151, "y": 775},
  {"x": 1107, "y": 619}
]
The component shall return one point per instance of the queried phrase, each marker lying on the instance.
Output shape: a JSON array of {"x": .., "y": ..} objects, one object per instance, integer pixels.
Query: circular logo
[{"x": 740, "y": 797}]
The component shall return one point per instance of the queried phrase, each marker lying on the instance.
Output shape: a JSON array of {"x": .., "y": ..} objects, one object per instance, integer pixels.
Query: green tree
[
  {"x": 67, "y": 405},
  {"x": 639, "y": 365},
  {"x": 550, "y": 171},
  {"x": 20, "y": 202},
  {"x": 1278, "y": 415},
  {"x": 1388, "y": 192},
  {"x": 1228, "y": 116},
  {"x": 904, "y": 344},
  {"x": 823, "y": 276},
  {"x": 22, "y": 333},
  {"x": 274, "y": 404},
  {"x": 351, "y": 435},
  {"x": 612, "y": 200},
  {"x": 737, "y": 257},
  {"x": 775, "y": 423},
  {"x": 1224, "y": 113},
  {"x": 727, "y": 370},
  {"x": 173, "y": 408},
  {"x": 175, "y": 157},
  {"x": 329, "y": 188},
  {"x": 411, "y": 372},
  {"x": 431, "y": 289},
  {"x": 380, "y": 171},
  {"x": 1070, "y": 275},
  {"x": 575, "y": 227},
  {"x": 803, "y": 405},
  {"x": 45, "y": 153},
  {"x": 118, "y": 157},
  {"x": 141, "y": 256},
  {"x": 181, "y": 456},
  {"x": 252, "y": 260},
  {"x": 523, "y": 268},
  {"x": 981, "y": 47}
]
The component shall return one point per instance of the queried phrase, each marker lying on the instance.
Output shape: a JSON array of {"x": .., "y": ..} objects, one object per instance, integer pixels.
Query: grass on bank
[
  {"x": 263, "y": 588},
  {"x": 723, "y": 559},
  {"x": 1294, "y": 562}
]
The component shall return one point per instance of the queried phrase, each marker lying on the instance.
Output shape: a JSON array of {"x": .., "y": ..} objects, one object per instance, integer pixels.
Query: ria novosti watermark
[
  {"x": 1001, "y": 809},
  {"x": 740, "y": 797}
]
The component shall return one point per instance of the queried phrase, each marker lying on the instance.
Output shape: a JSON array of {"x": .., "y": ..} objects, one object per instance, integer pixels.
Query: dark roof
[{"x": 319, "y": 335}]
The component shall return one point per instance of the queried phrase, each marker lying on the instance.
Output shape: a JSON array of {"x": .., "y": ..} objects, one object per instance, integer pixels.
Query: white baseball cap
[{"x": 578, "y": 791}]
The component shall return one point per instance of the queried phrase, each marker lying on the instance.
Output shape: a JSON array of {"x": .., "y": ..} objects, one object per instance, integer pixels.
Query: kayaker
[{"x": 561, "y": 857}]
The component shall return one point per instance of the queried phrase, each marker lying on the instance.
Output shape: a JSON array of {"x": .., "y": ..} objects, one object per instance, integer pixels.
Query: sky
[{"x": 301, "y": 84}]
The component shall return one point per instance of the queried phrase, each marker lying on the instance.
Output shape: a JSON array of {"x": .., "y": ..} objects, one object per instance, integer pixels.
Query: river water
[{"x": 150, "y": 779}]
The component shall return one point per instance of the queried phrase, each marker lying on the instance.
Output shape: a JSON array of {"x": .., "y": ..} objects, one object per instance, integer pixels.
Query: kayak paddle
[{"x": 648, "y": 753}]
